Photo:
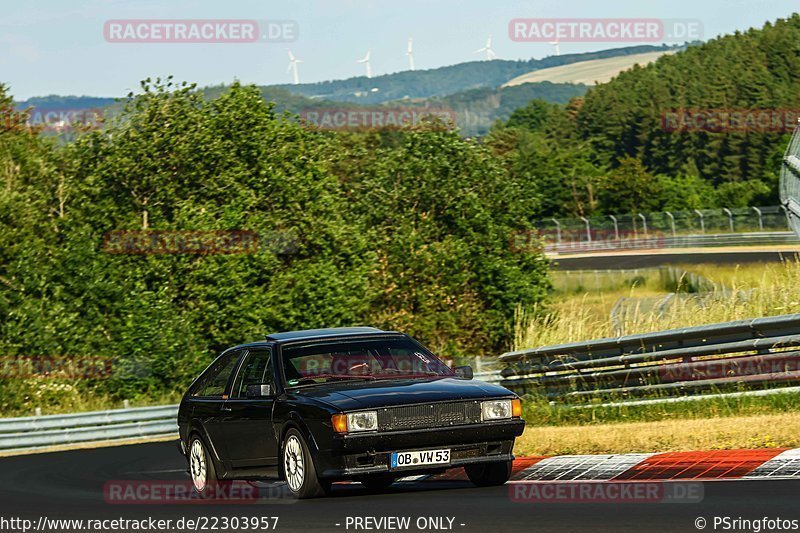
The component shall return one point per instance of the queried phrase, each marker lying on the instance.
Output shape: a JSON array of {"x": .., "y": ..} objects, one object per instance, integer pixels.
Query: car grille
[{"x": 429, "y": 415}]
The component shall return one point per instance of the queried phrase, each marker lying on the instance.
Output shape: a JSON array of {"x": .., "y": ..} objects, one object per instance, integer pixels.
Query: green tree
[{"x": 629, "y": 188}]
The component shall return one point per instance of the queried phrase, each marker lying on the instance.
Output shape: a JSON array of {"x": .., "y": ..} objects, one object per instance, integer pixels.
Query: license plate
[{"x": 420, "y": 458}]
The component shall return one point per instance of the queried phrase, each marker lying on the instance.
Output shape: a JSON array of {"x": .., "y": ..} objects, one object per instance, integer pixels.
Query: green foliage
[
  {"x": 436, "y": 203},
  {"x": 533, "y": 116},
  {"x": 743, "y": 193},
  {"x": 405, "y": 229},
  {"x": 686, "y": 192},
  {"x": 542, "y": 158},
  {"x": 629, "y": 188}
]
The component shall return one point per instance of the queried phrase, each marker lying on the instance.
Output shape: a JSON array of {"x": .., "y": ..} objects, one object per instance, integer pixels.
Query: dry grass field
[{"x": 587, "y": 72}]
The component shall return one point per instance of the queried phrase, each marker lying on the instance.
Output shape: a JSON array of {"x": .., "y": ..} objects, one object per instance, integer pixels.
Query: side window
[
  {"x": 216, "y": 378},
  {"x": 256, "y": 369}
]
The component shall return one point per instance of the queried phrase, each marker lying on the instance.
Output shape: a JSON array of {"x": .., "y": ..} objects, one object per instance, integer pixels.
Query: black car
[{"x": 318, "y": 406}]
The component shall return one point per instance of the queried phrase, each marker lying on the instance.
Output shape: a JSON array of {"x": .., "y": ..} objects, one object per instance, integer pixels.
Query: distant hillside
[
  {"x": 55, "y": 102},
  {"x": 472, "y": 90},
  {"x": 476, "y": 110},
  {"x": 448, "y": 80},
  {"x": 589, "y": 72}
]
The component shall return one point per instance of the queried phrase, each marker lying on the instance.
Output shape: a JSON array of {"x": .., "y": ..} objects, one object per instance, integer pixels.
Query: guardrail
[
  {"x": 52, "y": 430},
  {"x": 753, "y": 354},
  {"x": 655, "y": 242}
]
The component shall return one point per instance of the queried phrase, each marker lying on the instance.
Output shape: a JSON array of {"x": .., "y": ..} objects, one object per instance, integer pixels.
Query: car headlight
[
  {"x": 354, "y": 422},
  {"x": 497, "y": 410}
]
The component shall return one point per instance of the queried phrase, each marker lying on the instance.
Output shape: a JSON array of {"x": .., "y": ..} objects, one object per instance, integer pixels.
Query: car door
[
  {"x": 209, "y": 397},
  {"x": 249, "y": 436}
]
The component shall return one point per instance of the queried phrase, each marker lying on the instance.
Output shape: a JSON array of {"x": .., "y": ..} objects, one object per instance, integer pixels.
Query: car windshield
[{"x": 373, "y": 359}]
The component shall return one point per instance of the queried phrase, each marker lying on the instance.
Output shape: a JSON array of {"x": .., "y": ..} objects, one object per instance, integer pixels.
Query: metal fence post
[
  {"x": 730, "y": 217},
  {"x": 760, "y": 219},
  {"x": 671, "y": 222},
  {"x": 588, "y": 229},
  {"x": 558, "y": 230},
  {"x": 702, "y": 221},
  {"x": 644, "y": 224},
  {"x": 788, "y": 217},
  {"x": 616, "y": 226}
]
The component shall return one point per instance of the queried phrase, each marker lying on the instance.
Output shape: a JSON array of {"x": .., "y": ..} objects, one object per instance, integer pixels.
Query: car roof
[{"x": 322, "y": 333}]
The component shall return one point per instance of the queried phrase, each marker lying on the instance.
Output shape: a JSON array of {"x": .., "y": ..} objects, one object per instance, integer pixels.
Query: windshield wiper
[
  {"x": 395, "y": 373},
  {"x": 329, "y": 377}
]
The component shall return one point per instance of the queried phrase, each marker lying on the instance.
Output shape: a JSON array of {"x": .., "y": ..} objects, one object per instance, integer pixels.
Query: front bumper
[{"x": 356, "y": 455}]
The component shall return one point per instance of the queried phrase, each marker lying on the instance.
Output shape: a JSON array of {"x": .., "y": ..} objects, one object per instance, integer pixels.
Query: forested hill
[
  {"x": 446, "y": 80},
  {"x": 55, "y": 102},
  {"x": 441, "y": 81},
  {"x": 703, "y": 128},
  {"x": 758, "y": 69}
]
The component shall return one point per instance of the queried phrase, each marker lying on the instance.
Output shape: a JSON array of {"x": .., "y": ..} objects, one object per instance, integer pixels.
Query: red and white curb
[{"x": 708, "y": 465}]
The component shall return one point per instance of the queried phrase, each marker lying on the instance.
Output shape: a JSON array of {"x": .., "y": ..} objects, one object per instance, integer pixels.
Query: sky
[{"x": 59, "y": 47}]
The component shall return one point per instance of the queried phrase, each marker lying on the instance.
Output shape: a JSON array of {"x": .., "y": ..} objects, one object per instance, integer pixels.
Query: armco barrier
[
  {"x": 52, "y": 430},
  {"x": 774, "y": 238},
  {"x": 754, "y": 354}
]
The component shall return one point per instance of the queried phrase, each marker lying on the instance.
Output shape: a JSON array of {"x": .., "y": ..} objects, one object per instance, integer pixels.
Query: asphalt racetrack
[{"x": 75, "y": 484}]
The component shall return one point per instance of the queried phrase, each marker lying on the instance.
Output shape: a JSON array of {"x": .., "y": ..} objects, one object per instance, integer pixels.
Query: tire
[
  {"x": 203, "y": 472},
  {"x": 377, "y": 482},
  {"x": 299, "y": 470},
  {"x": 489, "y": 474}
]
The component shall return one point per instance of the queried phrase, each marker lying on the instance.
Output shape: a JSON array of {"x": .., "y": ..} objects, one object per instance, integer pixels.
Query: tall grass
[{"x": 752, "y": 292}]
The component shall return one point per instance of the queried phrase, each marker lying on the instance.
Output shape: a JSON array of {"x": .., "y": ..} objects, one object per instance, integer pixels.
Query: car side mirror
[
  {"x": 259, "y": 391},
  {"x": 464, "y": 372}
]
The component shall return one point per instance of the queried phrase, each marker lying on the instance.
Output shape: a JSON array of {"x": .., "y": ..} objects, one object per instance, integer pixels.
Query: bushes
[{"x": 406, "y": 229}]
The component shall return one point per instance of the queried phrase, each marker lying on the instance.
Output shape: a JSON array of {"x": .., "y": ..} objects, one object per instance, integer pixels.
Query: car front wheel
[
  {"x": 489, "y": 474},
  {"x": 298, "y": 468}
]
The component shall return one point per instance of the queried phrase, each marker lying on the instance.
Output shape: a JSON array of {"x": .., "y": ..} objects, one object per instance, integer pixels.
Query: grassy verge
[
  {"x": 81, "y": 403},
  {"x": 539, "y": 412},
  {"x": 718, "y": 423},
  {"x": 758, "y": 431},
  {"x": 752, "y": 291}
]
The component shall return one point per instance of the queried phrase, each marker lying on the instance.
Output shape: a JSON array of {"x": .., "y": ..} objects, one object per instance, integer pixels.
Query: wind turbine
[
  {"x": 557, "y": 46},
  {"x": 293, "y": 61},
  {"x": 410, "y": 54},
  {"x": 366, "y": 62},
  {"x": 488, "y": 49}
]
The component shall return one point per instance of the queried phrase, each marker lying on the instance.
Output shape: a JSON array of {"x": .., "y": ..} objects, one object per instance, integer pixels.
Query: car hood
[{"x": 386, "y": 393}]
